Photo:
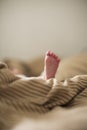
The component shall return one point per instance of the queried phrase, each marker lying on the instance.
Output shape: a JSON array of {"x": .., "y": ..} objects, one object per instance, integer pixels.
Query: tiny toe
[
  {"x": 51, "y": 54},
  {"x": 55, "y": 56},
  {"x": 48, "y": 53},
  {"x": 58, "y": 59}
]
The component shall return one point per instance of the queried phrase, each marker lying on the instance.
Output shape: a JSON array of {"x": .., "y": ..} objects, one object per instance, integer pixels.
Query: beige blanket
[
  {"x": 23, "y": 96},
  {"x": 57, "y": 119}
]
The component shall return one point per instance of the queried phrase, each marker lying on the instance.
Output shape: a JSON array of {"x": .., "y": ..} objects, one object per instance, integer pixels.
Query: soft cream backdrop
[{"x": 30, "y": 27}]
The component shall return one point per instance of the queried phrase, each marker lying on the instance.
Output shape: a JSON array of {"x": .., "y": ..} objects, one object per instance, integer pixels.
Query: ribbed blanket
[{"x": 39, "y": 95}]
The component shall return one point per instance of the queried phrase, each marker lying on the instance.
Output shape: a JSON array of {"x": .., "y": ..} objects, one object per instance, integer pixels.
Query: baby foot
[{"x": 51, "y": 65}]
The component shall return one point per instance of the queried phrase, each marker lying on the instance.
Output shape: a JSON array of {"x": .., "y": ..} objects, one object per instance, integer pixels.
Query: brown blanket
[{"x": 37, "y": 95}]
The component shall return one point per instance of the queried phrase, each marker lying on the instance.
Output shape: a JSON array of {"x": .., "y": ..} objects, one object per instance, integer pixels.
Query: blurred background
[{"x": 28, "y": 28}]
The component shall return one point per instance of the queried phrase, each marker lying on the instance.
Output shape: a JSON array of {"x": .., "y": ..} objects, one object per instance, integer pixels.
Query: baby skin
[{"x": 51, "y": 65}]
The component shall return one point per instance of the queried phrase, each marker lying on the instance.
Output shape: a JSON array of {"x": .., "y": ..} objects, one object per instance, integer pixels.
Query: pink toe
[
  {"x": 54, "y": 56},
  {"x": 58, "y": 59},
  {"x": 51, "y": 54},
  {"x": 48, "y": 53}
]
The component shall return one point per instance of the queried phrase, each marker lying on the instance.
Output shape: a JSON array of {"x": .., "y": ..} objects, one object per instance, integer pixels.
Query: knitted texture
[{"x": 39, "y": 95}]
